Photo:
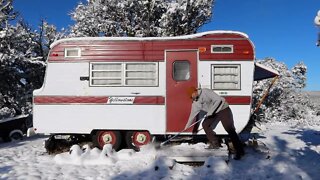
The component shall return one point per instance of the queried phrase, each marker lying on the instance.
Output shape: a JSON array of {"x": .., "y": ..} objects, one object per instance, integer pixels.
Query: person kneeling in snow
[{"x": 217, "y": 110}]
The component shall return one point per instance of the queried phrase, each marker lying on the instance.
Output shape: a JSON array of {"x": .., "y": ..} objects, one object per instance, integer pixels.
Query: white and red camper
[{"x": 129, "y": 88}]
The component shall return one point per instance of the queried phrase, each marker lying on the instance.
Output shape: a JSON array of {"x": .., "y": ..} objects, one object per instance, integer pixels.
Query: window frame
[
  {"x": 226, "y": 66},
  {"x": 222, "y": 46},
  {"x": 123, "y": 76},
  {"x": 70, "y": 49},
  {"x": 173, "y": 70}
]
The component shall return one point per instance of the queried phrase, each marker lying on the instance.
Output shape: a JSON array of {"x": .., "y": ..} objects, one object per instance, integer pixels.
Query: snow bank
[
  {"x": 284, "y": 153},
  {"x": 106, "y": 156}
]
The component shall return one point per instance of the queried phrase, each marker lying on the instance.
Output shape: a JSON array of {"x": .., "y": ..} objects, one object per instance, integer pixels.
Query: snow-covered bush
[
  {"x": 286, "y": 101},
  {"x": 6, "y": 112},
  {"x": 140, "y": 18}
]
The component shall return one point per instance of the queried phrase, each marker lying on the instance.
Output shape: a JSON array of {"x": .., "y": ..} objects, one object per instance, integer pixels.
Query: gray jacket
[{"x": 207, "y": 101}]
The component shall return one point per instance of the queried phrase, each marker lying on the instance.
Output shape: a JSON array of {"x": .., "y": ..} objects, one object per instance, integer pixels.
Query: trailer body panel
[{"x": 140, "y": 83}]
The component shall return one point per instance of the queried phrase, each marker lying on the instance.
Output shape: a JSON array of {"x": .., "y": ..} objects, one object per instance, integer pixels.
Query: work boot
[
  {"x": 214, "y": 145},
  {"x": 238, "y": 155},
  {"x": 237, "y": 144}
]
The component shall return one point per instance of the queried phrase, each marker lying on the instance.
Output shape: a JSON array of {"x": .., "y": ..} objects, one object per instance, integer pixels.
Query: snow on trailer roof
[{"x": 192, "y": 36}]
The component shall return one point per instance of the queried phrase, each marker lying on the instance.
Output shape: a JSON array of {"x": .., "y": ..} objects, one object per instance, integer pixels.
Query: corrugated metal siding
[{"x": 154, "y": 50}]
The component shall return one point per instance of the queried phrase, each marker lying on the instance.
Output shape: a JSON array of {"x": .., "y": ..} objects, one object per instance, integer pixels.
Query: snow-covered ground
[{"x": 284, "y": 153}]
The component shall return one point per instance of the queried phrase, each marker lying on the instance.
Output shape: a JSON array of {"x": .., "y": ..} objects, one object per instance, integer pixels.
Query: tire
[
  {"x": 100, "y": 138},
  {"x": 136, "y": 139},
  {"x": 50, "y": 144},
  {"x": 15, "y": 135}
]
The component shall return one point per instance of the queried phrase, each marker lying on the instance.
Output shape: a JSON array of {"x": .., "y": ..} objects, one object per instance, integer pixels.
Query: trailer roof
[{"x": 192, "y": 36}]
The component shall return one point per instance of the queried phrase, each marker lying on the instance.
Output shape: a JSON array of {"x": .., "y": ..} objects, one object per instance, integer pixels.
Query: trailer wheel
[
  {"x": 15, "y": 135},
  {"x": 107, "y": 137},
  {"x": 136, "y": 139}
]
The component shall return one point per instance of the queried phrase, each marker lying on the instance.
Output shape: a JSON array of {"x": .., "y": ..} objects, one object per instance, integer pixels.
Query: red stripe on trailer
[
  {"x": 69, "y": 99},
  {"x": 238, "y": 100},
  {"x": 149, "y": 100},
  {"x": 139, "y": 100},
  {"x": 160, "y": 100}
]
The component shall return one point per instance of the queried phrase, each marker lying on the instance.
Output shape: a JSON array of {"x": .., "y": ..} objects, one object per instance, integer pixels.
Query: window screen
[
  {"x": 181, "y": 70},
  {"x": 226, "y": 77},
  {"x": 124, "y": 74}
]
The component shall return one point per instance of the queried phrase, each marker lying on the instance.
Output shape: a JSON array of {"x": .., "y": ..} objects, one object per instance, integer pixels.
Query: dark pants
[{"x": 226, "y": 118}]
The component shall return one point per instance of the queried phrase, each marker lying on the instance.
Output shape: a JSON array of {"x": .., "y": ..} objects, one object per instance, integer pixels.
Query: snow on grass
[{"x": 283, "y": 153}]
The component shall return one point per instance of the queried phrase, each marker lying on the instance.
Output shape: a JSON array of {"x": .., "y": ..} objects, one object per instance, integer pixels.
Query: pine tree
[
  {"x": 286, "y": 101},
  {"x": 185, "y": 17},
  {"x": 23, "y": 54},
  {"x": 6, "y": 33},
  {"x": 21, "y": 70},
  {"x": 140, "y": 18}
]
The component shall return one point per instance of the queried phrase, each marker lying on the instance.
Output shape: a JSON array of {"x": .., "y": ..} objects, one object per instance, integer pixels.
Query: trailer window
[
  {"x": 124, "y": 74},
  {"x": 181, "y": 70},
  {"x": 72, "y": 52},
  {"x": 221, "y": 48},
  {"x": 226, "y": 77},
  {"x": 106, "y": 74},
  {"x": 141, "y": 74}
]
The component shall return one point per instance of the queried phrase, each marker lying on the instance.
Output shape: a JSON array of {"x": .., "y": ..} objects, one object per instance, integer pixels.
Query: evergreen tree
[
  {"x": 185, "y": 17},
  {"x": 22, "y": 61},
  {"x": 140, "y": 18},
  {"x": 286, "y": 101},
  {"x": 21, "y": 70}
]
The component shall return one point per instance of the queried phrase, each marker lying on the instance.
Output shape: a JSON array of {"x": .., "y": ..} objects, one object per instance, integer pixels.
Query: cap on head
[{"x": 190, "y": 91}]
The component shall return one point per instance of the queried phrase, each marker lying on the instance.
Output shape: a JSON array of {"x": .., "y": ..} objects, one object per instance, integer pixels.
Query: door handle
[
  {"x": 84, "y": 78},
  {"x": 136, "y": 93}
]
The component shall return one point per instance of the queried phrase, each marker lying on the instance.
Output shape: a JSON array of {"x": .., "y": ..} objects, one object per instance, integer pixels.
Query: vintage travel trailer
[{"x": 129, "y": 89}]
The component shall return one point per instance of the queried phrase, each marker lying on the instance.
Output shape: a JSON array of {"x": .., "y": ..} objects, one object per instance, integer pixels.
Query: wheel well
[{"x": 122, "y": 131}]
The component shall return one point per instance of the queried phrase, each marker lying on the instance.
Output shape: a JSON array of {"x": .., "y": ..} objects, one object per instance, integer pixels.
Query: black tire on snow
[{"x": 17, "y": 135}]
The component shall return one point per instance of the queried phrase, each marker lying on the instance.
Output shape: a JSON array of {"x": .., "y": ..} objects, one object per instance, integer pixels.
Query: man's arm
[
  {"x": 217, "y": 102},
  {"x": 195, "y": 109}
]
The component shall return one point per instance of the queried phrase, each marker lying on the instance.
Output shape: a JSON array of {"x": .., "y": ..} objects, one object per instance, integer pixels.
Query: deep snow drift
[{"x": 284, "y": 153}]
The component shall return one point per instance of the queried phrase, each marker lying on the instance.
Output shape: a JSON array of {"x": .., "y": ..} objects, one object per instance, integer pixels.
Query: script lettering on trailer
[{"x": 120, "y": 100}]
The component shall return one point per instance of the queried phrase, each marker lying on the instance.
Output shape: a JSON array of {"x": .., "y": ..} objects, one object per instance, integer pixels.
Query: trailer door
[{"x": 181, "y": 74}]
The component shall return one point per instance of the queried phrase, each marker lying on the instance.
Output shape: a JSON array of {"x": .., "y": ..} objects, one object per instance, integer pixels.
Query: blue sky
[{"x": 282, "y": 29}]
